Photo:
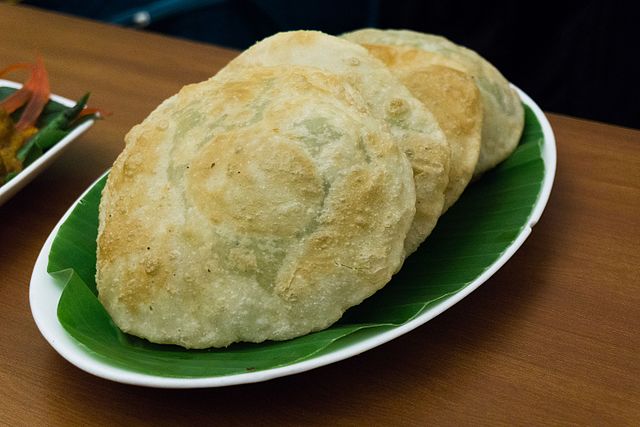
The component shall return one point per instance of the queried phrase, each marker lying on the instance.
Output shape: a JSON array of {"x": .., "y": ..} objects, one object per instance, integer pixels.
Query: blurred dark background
[{"x": 574, "y": 57}]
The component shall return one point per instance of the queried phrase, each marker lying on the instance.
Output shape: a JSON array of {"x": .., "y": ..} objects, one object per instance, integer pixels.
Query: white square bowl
[{"x": 27, "y": 174}]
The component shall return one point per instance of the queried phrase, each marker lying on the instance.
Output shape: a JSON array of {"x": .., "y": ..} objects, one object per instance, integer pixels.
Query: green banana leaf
[{"x": 467, "y": 240}]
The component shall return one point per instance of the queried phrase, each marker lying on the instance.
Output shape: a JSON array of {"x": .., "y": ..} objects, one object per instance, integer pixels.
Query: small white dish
[
  {"x": 27, "y": 174},
  {"x": 44, "y": 294}
]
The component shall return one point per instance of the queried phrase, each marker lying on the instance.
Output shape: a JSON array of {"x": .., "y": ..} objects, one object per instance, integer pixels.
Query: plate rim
[
  {"x": 8, "y": 190},
  {"x": 43, "y": 290}
]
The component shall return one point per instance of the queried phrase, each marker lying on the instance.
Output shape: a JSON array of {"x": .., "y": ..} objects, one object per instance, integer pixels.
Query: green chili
[{"x": 59, "y": 127}]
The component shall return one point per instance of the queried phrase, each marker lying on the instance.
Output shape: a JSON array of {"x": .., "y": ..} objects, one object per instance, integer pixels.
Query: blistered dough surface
[{"x": 256, "y": 206}]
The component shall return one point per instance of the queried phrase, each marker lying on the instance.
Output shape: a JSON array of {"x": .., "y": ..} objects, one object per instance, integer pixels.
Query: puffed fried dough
[
  {"x": 412, "y": 125},
  {"x": 503, "y": 119},
  {"x": 453, "y": 98},
  {"x": 259, "y": 206}
]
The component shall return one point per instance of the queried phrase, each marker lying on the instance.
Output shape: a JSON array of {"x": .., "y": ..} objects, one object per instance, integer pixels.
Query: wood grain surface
[{"x": 551, "y": 339}]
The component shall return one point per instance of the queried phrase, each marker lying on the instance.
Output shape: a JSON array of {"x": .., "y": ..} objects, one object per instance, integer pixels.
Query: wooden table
[{"x": 553, "y": 338}]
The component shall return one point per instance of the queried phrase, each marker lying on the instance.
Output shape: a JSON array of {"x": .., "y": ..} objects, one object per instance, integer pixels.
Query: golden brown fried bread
[
  {"x": 503, "y": 119},
  {"x": 412, "y": 125},
  {"x": 453, "y": 98},
  {"x": 256, "y": 206}
]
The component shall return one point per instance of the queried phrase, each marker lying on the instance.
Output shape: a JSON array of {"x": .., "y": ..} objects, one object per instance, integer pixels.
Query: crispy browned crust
[
  {"x": 258, "y": 205},
  {"x": 503, "y": 114},
  {"x": 453, "y": 98},
  {"x": 413, "y": 127}
]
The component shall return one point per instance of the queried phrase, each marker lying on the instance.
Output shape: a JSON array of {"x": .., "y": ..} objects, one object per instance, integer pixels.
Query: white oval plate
[
  {"x": 44, "y": 295},
  {"x": 27, "y": 174}
]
